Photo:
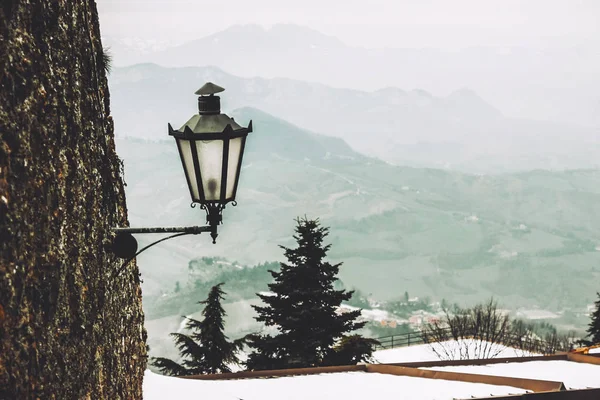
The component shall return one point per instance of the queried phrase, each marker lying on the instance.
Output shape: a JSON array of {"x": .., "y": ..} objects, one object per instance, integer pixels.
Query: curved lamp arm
[
  {"x": 194, "y": 230},
  {"x": 125, "y": 246}
]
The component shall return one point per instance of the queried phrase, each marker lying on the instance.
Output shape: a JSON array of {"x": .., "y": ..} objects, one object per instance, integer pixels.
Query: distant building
[{"x": 416, "y": 320}]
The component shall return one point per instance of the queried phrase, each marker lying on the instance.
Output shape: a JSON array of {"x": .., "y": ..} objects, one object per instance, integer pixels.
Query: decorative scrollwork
[
  {"x": 234, "y": 203},
  {"x": 194, "y": 204}
]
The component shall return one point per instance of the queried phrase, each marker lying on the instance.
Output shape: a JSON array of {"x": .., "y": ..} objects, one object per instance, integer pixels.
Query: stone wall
[{"x": 70, "y": 327}]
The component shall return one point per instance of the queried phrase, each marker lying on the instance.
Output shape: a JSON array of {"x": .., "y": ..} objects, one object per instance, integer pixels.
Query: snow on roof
[
  {"x": 573, "y": 374},
  {"x": 537, "y": 314},
  {"x": 451, "y": 350},
  {"x": 369, "y": 314},
  {"x": 343, "y": 385},
  {"x": 405, "y": 354},
  {"x": 361, "y": 385}
]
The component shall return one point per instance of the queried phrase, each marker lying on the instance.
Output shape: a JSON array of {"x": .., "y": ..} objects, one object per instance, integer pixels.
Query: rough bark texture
[{"x": 68, "y": 329}]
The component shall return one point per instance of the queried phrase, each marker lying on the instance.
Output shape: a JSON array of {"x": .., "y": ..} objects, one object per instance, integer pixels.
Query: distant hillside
[
  {"x": 460, "y": 131},
  {"x": 531, "y": 238},
  {"x": 557, "y": 83}
]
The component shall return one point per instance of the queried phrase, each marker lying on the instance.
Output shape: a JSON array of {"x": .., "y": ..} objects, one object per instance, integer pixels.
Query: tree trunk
[{"x": 67, "y": 329}]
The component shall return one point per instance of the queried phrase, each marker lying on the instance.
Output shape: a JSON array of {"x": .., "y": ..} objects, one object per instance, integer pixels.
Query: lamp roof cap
[{"x": 209, "y": 88}]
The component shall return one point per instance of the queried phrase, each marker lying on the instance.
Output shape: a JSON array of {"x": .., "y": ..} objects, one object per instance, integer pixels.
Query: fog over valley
[{"x": 453, "y": 151}]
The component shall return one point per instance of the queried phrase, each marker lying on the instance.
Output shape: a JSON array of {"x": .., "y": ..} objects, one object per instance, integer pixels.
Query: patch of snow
[
  {"x": 574, "y": 375},
  {"x": 405, "y": 354},
  {"x": 345, "y": 385},
  {"x": 450, "y": 349},
  {"x": 376, "y": 315},
  {"x": 508, "y": 254},
  {"x": 183, "y": 323},
  {"x": 536, "y": 314},
  {"x": 472, "y": 218},
  {"x": 591, "y": 308},
  {"x": 501, "y": 252},
  {"x": 371, "y": 314}
]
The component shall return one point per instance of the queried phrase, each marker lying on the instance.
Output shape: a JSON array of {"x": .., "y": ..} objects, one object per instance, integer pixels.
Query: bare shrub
[
  {"x": 524, "y": 337},
  {"x": 469, "y": 333}
]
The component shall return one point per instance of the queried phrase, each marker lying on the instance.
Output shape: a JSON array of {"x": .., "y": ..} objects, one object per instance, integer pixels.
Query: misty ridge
[
  {"x": 554, "y": 81},
  {"x": 457, "y": 175},
  {"x": 487, "y": 120},
  {"x": 460, "y": 131}
]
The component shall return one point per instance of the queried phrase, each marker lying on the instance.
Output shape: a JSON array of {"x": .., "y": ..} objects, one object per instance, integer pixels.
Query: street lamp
[{"x": 211, "y": 147}]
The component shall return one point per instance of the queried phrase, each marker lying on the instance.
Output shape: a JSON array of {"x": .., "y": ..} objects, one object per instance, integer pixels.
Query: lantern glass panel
[
  {"x": 210, "y": 157},
  {"x": 235, "y": 148},
  {"x": 188, "y": 163}
]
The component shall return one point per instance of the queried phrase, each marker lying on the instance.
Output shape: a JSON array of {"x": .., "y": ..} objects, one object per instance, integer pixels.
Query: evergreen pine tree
[
  {"x": 594, "y": 327},
  {"x": 218, "y": 351},
  {"x": 352, "y": 350},
  {"x": 302, "y": 307},
  {"x": 206, "y": 350}
]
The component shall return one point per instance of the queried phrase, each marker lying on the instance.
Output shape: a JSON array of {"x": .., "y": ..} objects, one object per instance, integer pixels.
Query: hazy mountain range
[
  {"x": 460, "y": 131},
  {"x": 530, "y": 238},
  {"x": 415, "y": 221},
  {"x": 557, "y": 82}
]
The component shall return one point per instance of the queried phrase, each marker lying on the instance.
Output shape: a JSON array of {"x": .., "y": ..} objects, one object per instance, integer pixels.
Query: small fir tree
[
  {"x": 594, "y": 327},
  {"x": 303, "y": 307},
  {"x": 219, "y": 352},
  {"x": 206, "y": 350},
  {"x": 352, "y": 350}
]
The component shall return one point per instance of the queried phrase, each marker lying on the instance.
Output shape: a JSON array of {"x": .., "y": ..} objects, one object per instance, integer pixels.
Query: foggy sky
[{"x": 444, "y": 24}]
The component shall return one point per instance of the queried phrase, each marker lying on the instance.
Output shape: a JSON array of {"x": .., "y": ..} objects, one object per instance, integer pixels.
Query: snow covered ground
[
  {"x": 361, "y": 385},
  {"x": 344, "y": 385},
  {"x": 574, "y": 375},
  {"x": 451, "y": 350}
]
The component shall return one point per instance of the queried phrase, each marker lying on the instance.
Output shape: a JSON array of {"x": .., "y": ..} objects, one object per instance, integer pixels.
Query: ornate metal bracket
[{"x": 124, "y": 245}]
